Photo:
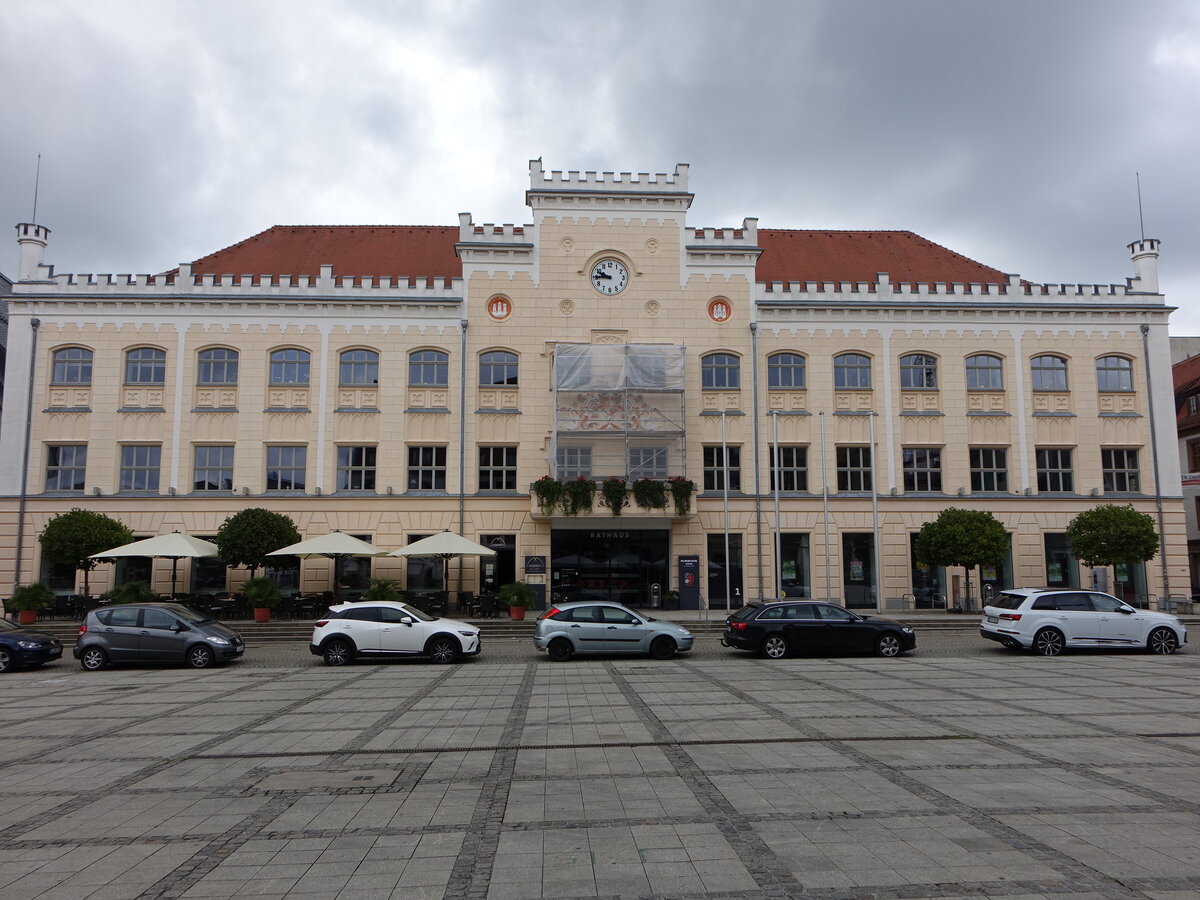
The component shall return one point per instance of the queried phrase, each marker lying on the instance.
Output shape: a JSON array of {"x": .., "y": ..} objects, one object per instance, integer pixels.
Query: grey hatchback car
[
  {"x": 569, "y": 628},
  {"x": 154, "y": 632}
]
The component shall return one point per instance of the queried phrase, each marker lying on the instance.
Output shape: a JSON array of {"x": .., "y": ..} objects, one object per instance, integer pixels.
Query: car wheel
[
  {"x": 338, "y": 653},
  {"x": 775, "y": 647},
  {"x": 888, "y": 645},
  {"x": 200, "y": 657},
  {"x": 93, "y": 659},
  {"x": 1161, "y": 640},
  {"x": 662, "y": 647},
  {"x": 1049, "y": 642},
  {"x": 7, "y": 663},
  {"x": 442, "y": 650},
  {"x": 560, "y": 650}
]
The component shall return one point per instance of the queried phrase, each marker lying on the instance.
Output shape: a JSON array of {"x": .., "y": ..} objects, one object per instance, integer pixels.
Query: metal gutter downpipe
[
  {"x": 725, "y": 506},
  {"x": 34, "y": 324},
  {"x": 1162, "y": 527},
  {"x": 462, "y": 445},
  {"x": 825, "y": 507},
  {"x": 875, "y": 586},
  {"x": 778, "y": 487},
  {"x": 757, "y": 462}
]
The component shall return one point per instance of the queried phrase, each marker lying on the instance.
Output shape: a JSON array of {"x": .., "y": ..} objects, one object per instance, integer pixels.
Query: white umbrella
[
  {"x": 445, "y": 545},
  {"x": 173, "y": 546},
  {"x": 335, "y": 545}
]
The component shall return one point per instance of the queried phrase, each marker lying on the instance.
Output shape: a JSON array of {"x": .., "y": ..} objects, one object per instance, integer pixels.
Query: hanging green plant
[
  {"x": 681, "y": 494},
  {"x": 650, "y": 493},
  {"x": 578, "y": 495},
  {"x": 549, "y": 492},
  {"x": 615, "y": 490}
]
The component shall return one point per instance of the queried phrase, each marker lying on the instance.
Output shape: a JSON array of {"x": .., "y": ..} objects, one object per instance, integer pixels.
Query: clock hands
[{"x": 602, "y": 275}]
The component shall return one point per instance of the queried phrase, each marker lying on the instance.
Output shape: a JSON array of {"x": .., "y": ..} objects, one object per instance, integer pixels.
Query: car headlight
[
  {"x": 219, "y": 641},
  {"x": 906, "y": 630},
  {"x": 27, "y": 645},
  {"x": 469, "y": 633}
]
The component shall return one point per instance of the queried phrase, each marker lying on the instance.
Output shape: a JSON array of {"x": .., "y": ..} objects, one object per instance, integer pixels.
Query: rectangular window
[
  {"x": 286, "y": 467},
  {"x": 497, "y": 468},
  {"x": 1120, "y": 470},
  {"x": 647, "y": 462},
  {"x": 214, "y": 469},
  {"x": 1194, "y": 404},
  {"x": 922, "y": 469},
  {"x": 715, "y": 468},
  {"x": 356, "y": 469},
  {"x": 574, "y": 462},
  {"x": 989, "y": 469},
  {"x": 1194, "y": 456},
  {"x": 1061, "y": 569},
  {"x": 854, "y": 468},
  {"x": 1054, "y": 471},
  {"x": 66, "y": 467},
  {"x": 717, "y": 567},
  {"x": 794, "y": 578},
  {"x": 426, "y": 468},
  {"x": 791, "y": 466},
  {"x": 139, "y": 467}
]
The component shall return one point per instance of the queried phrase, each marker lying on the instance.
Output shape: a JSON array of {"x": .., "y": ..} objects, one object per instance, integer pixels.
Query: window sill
[
  {"x": 142, "y": 409},
  {"x": 287, "y": 409},
  {"x": 357, "y": 409},
  {"x": 67, "y": 409},
  {"x": 491, "y": 411},
  {"x": 214, "y": 409},
  {"x": 440, "y": 410}
]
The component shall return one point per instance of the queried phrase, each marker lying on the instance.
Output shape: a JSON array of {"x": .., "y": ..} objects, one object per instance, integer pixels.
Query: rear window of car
[
  {"x": 745, "y": 612},
  {"x": 1007, "y": 601}
]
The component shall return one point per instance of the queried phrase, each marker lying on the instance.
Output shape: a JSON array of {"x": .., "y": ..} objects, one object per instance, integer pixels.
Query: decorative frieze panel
[
  {"x": 221, "y": 426},
  {"x": 990, "y": 430},
  {"x": 989, "y": 402},
  {"x": 70, "y": 397},
  {"x": 495, "y": 398},
  {"x": 788, "y": 401},
  {"x": 224, "y": 397},
  {"x": 428, "y": 398},
  {"x": 1055, "y": 431},
  {"x": 923, "y": 430},
  {"x": 920, "y": 401},
  {"x": 1125, "y": 402},
  {"x": 66, "y": 426},
  {"x": 142, "y": 397},
  {"x": 499, "y": 429},
  {"x": 1052, "y": 402},
  {"x": 715, "y": 401},
  {"x": 288, "y": 397},
  {"x": 141, "y": 426},
  {"x": 853, "y": 401},
  {"x": 287, "y": 426},
  {"x": 356, "y": 427},
  {"x": 358, "y": 398}
]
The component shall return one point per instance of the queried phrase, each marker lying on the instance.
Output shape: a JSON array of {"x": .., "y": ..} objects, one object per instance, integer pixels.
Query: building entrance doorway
[
  {"x": 609, "y": 565},
  {"x": 501, "y": 569}
]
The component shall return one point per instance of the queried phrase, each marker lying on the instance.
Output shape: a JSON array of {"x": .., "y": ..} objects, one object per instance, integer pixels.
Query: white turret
[
  {"x": 32, "y": 240},
  {"x": 1145, "y": 265}
]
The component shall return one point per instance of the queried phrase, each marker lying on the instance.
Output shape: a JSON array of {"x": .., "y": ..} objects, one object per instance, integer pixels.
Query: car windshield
[
  {"x": 417, "y": 614},
  {"x": 1007, "y": 601},
  {"x": 189, "y": 615}
]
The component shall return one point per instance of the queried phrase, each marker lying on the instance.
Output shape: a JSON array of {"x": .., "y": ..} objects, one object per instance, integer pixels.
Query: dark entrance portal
[{"x": 609, "y": 565}]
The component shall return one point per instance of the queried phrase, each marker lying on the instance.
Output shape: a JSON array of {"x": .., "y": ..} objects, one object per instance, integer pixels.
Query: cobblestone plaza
[{"x": 993, "y": 775}]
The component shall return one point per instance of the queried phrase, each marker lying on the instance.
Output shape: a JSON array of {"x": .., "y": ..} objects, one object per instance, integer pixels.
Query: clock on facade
[{"x": 609, "y": 276}]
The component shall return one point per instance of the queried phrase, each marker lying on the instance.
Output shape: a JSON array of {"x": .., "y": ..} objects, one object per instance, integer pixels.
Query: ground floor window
[
  {"x": 209, "y": 572},
  {"x": 501, "y": 569},
  {"x": 423, "y": 573},
  {"x": 1129, "y": 584},
  {"x": 58, "y": 577},
  {"x": 1062, "y": 571},
  {"x": 994, "y": 579},
  {"x": 717, "y": 566},
  {"x": 928, "y": 582},
  {"x": 794, "y": 574},
  {"x": 858, "y": 570},
  {"x": 616, "y": 565},
  {"x": 133, "y": 568},
  {"x": 353, "y": 573}
]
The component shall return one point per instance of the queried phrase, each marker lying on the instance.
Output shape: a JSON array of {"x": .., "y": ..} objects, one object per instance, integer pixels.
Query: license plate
[{"x": 993, "y": 619}]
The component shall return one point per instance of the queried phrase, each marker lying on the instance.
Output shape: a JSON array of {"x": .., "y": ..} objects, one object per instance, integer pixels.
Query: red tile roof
[
  {"x": 428, "y": 250},
  {"x": 859, "y": 255}
]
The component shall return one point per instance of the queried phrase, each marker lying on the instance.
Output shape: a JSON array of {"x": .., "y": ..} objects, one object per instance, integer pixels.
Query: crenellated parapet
[
  {"x": 883, "y": 289},
  {"x": 613, "y": 194},
  {"x": 627, "y": 182}
]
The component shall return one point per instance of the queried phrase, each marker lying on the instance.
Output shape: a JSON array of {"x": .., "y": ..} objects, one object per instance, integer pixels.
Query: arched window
[
  {"x": 785, "y": 370},
  {"x": 218, "y": 365},
  {"x": 72, "y": 365},
  {"x": 851, "y": 370},
  {"x": 358, "y": 368},
  {"x": 290, "y": 366},
  {"x": 1114, "y": 373},
  {"x": 985, "y": 373},
  {"x": 428, "y": 368},
  {"x": 145, "y": 365},
  {"x": 918, "y": 371},
  {"x": 498, "y": 368},
  {"x": 720, "y": 371},
  {"x": 1049, "y": 373}
]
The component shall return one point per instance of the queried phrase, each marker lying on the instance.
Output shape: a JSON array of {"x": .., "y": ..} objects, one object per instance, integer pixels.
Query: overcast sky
[{"x": 1008, "y": 131}]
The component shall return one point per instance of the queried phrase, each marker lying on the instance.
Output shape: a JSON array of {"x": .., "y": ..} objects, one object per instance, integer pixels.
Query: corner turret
[
  {"x": 32, "y": 240},
  {"x": 1145, "y": 266}
]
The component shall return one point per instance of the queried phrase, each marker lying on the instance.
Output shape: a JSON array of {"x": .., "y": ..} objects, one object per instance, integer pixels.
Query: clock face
[{"x": 609, "y": 276}]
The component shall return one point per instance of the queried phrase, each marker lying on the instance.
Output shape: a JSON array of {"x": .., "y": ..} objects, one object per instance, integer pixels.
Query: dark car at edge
[
  {"x": 24, "y": 648},
  {"x": 778, "y": 628}
]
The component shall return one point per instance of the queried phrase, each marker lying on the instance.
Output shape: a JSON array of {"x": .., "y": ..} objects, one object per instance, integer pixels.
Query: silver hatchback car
[{"x": 569, "y": 628}]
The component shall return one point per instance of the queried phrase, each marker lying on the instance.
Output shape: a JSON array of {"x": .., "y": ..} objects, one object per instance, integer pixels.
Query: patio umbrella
[
  {"x": 173, "y": 546},
  {"x": 335, "y": 545},
  {"x": 444, "y": 546}
]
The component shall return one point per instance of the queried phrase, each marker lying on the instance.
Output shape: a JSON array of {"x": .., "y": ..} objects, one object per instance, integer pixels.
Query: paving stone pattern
[{"x": 847, "y": 779}]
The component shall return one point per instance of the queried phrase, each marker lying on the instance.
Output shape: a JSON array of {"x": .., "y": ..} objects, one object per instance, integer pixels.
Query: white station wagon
[{"x": 1050, "y": 620}]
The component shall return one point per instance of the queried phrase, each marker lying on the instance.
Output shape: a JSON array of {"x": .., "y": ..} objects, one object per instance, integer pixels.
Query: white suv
[
  {"x": 1050, "y": 620},
  {"x": 390, "y": 628}
]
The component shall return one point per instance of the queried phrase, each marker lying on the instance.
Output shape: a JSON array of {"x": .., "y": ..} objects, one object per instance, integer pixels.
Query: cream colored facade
[{"x": 541, "y": 270}]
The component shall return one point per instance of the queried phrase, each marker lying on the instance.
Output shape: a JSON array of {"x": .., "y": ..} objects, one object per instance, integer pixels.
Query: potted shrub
[
  {"x": 263, "y": 595},
  {"x": 578, "y": 495},
  {"x": 549, "y": 493},
  {"x": 650, "y": 493},
  {"x": 131, "y": 592},
  {"x": 614, "y": 491},
  {"x": 681, "y": 494},
  {"x": 519, "y": 597},
  {"x": 383, "y": 589},
  {"x": 28, "y": 599}
]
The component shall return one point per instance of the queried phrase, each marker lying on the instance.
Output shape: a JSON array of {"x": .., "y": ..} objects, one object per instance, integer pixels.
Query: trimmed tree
[
  {"x": 1112, "y": 535},
  {"x": 246, "y": 537},
  {"x": 962, "y": 537},
  {"x": 71, "y": 538}
]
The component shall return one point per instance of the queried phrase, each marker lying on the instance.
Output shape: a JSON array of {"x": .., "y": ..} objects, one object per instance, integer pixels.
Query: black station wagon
[{"x": 778, "y": 628}]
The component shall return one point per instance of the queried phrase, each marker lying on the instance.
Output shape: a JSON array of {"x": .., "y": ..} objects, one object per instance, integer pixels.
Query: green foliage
[
  {"x": 681, "y": 494},
  {"x": 650, "y": 493},
  {"x": 549, "y": 492},
  {"x": 1109, "y": 535},
  {"x": 30, "y": 596},
  {"x": 131, "y": 592},
  {"x": 962, "y": 537},
  {"x": 518, "y": 593},
  {"x": 246, "y": 537},
  {"x": 614, "y": 490},
  {"x": 383, "y": 589},
  {"x": 261, "y": 593},
  {"x": 69, "y": 539},
  {"x": 578, "y": 495}
]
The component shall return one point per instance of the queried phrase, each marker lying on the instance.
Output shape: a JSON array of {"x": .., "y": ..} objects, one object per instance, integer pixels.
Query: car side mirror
[
  {"x": 408, "y": 620},
  {"x": 178, "y": 627},
  {"x": 1128, "y": 610}
]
